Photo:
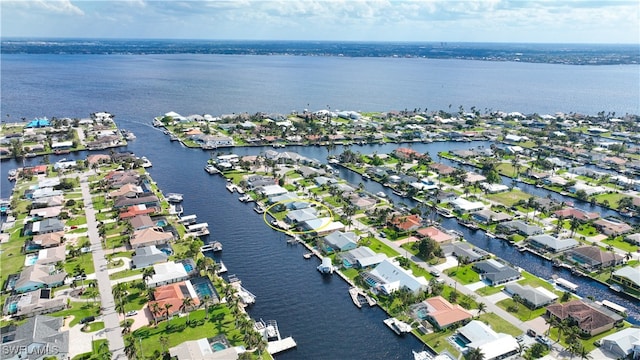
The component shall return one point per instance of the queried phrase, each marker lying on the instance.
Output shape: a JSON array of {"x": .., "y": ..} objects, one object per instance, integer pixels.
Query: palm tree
[
  {"x": 126, "y": 327},
  {"x": 167, "y": 306},
  {"x": 164, "y": 341},
  {"x": 475, "y": 354},
  {"x": 482, "y": 307},
  {"x": 103, "y": 351},
  {"x": 187, "y": 303},
  {"x": 205, "y": 302},
  {"x": 154, "y": 307},
  {"x": 147, "y": 273},
  {"x": 575, "y": 224},
  {"x": 130, "y": 348}
]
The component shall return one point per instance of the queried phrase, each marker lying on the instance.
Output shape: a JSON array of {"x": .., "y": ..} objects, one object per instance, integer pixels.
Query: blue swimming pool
[
  {"x": 30, "y": 260},
  {"x": 13, "y": 308},
  {"x": 187, "y": 267},
  {"x": 203, "y": 287},
  {"x": 217, "y": 346},
  {"x": 161, "y": 223},
  {"x": 422, "y": 314},
  {"x": 460, "y": 342},
  {"x": 167, "y": 251}
]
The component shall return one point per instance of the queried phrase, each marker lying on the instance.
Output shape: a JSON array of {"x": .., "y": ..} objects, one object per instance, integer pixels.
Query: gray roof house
[
  {"x": 552, "y": 243},
  {"x": 37, "y": 338},
  {"x": 592, "y": 257},
  {"x": 624, "y": 344},
  {"x": 301, "y": 215},
  {"x": 532, "y": 297},
  {"x": 464, "y": 250},
  {"x": 522, "y": 228},
  {"x": 147, "y": 256},
  {"x": 495, "y": 272},
  {"x": 627, "y": 276},
  {"x": 487, "y": 216},
  {"x": 341, "y": 241},
  {"x": 39, "y": 276},
  {"x": 33, "y": 303},
  {"x": 44, "y": 226},
  {"x": 362, "y": 257}
]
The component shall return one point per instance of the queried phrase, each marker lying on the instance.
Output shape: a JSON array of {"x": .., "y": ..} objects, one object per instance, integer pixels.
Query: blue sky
[{"x": 542, "y": 21}]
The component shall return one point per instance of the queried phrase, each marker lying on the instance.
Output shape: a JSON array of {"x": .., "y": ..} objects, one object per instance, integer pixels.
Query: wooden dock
[
  {"x": 276, "y": 346},
  {"x": 360, "y": 297}
]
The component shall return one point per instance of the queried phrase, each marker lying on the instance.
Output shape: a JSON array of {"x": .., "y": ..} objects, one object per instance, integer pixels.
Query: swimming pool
[
  {"x": 13, "y": 308},
  {"x": 161, "y": 223},
  {"x": 460, "y": 342},
  {"x": 167, "y": 251},
  {"x": 422, "y": 314},
  {"x": 203, "y": 287},
  {"x": 188, "y": 267},
  {"x": 31, "y": 260},
  {"x": 217, "y": 346}
]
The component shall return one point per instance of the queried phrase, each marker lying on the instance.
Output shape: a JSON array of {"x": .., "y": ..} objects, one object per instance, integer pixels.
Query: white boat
[
  {"x": 221, "y": 269},
  {"x": 145, "y": 162},
  {"x": 245, "y": 198},
  {"x": 174, "y": 198},
  {"x": 422, "y": 355},
  {"x": 211, "y": 169},
  {"x": 216, "y": 246},
  {"x": 616, "y": 288},
  {"x": 326, "y": 267},
  {"x": 130, "y": 136},
  {"x": 259, "y": 209},
  {"x": 381, "y": 194},
  {"x": 246, "y": 297},
  {"x": 271, "y": 333},
  {"x": 444, "y": 212},
  {"x": 397, "y": 326},
  {"x": 491, "y": 235},
  {"x": 566, "y": 284},
  {"x": 231, "y": 187}
]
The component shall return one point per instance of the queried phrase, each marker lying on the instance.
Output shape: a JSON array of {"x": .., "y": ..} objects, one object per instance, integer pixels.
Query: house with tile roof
[
  {"x": 590, "y": 318},
  {"x": 142, "y": 221},
  {"x": 442, "y": 314},
  {"x": 136, "y": 210},
  {"x": 612, "y": 227},
  {"x": 47, "y": 240},
  {"x": 571, "y": 213},
  {"x": 407, "y": 222},
  {"x": 48, "y": 212},
  {"x": 173, "y": 294},
  {"x": 149, "y": 236},
  {"x": 592, "y": 258},
  {"x": 435, "y": 234},
  {"x": 51, "y": 255}
]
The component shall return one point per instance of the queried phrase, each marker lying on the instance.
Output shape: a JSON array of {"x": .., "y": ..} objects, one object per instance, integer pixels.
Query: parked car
[
  {"x": 131, "y": 313},
  {"x": 87, "y": 319},
  {"x": 531, "y": 333},
  {"x": 435, "y": 273}
]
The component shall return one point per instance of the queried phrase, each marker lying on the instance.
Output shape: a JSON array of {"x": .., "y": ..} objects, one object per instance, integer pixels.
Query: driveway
[
  {"x": 494, "y": 298},
  {"x": 476, "y": 285},
  {"x": 449, "y": 263},
  {"x": 81, "y": 342}
]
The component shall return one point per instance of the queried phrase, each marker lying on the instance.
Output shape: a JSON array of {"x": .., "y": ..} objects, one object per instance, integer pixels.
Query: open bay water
[{"x": 315, "y": 310}]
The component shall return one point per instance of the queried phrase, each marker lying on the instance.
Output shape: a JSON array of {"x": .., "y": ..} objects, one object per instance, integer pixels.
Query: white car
[{"x": 131, "y": 313}]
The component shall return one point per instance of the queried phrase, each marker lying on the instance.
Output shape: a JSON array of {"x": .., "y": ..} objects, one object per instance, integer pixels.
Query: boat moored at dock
[
  {"x": 397, "y": 326},
  {"x": 566, "y": 284},
  {"x": 210, "y": 169},
  {"x": 326, "y": 267},
  {"x": 271, "y": 333},
  {"x": 174, "y": 198},
  {"x": 246, "y": 297}
]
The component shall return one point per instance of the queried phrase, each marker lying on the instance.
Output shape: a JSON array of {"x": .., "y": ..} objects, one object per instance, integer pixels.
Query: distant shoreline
[{"x": 565, "y": 54}]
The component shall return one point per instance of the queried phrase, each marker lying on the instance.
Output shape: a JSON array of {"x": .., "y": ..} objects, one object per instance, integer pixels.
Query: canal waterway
[{"x": 289, "y": 289}]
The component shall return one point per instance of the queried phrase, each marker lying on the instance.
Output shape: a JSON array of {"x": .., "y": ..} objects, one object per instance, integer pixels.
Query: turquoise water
[
  {"x": 203, "y": 289},
  {"x": 218, "y": 346},
  {"x": 422, "y": 314},
  {"x": 188, "y": 267},
  {"x": 460, "y": 342},
  {"x": 346, "y": 263},
  {"x": 161, "y": 223},
  {"x": 31, "y": 260},
  {"x": 13, "y": 307},
  {"x": 166, "y": 251}
]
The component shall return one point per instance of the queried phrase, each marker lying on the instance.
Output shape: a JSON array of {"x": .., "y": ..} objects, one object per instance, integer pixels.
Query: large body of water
[{"x": 316, "y": 310}]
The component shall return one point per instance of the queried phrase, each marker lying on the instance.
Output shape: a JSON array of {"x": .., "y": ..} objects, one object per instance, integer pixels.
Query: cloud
[{"x": 44, "y": 6}]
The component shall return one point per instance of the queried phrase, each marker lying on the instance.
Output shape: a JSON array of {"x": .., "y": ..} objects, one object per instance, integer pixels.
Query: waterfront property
[
  {"x": 627, "y": 276},
  {"x": 435, "y": 234},
  {"x": 593, "y": 258},
  {"x": 441, "y": 313},
  {"x": 492, "y": 345},
  {"x": 388, "y": 277},
  {"x": 590, "y": 318},
  {"x": 464, "y": 251},
  {"x": 339, "y": 241},
  {"x": 612, "y": 226},
  {"x": 33, "y": 303},
  {"x": 464, "y": 206},
  {"x": 150, "y": 236},
  {"x": 217, "y": 348},
  {"x": 147, "y": 256},
  {"x": 533, "y": 298},
  {"x": 520, "y": 227},
  {"x": 170, "y": 299},
  {"x": 495, "y": 272},
  {"x": 551, "y": 243},
  {"x": 362, "y": 258},
  {"x": 488, "y": 217},
  {"x": 171, "y": 272}
]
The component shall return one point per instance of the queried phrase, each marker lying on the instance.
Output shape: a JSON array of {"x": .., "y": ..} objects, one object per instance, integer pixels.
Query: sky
[{"x": 529, "y": 21}]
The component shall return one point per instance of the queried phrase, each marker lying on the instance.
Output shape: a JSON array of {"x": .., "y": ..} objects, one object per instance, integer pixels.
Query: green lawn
[
  {"x": 125, "y": 273},
  {"x": 79, "y": 310},
  {"x": 534, "y": 281},
  {"x": 509, "y": 198},
  {"x": 621, "y": 244},
  {"x": 489, "y": 290},
  {"x": 94, "y": 354},
  {"x": 85, "y": 261},
  {"x": 379, "y": 247},
  {"x": 76, "y": 221},
  {"x": 350, "y": 273},
  {"x": 523, "y": 313},
  {"x": 464, "y": 274},
  {"x": 499, "y": 325},
  {"x": 94, "y": 326},
  {"x": 439, "y": 342},
  {"x": 612, "y": 199},
  {"x": 587, "y": 343}
]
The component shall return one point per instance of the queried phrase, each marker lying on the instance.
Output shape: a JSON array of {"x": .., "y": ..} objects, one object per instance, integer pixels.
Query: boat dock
[
  {"x": 271, "y": 333},
  {"x": 222, "y": 269},
  {"x": 188, "y": 220},
  {"x": 200, "y": 229},
  {"x": 308, "y": 255},
  {"x": 246, "y": 297},
  {"x": 566, "y": 284},
  {"x": 281, "y": 345},
  {"x": 214, "y": 246},
  {"x": 397, "y": 326},
  {"x": 359, "y": 297}
]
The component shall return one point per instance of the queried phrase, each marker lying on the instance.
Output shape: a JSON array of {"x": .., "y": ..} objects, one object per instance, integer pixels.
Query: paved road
[{"x": 110, "y": 316}]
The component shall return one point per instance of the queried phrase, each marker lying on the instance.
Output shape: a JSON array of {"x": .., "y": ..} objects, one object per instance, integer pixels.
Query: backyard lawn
[
  {"x": 509, "y": 198},
  {"x": 379, "y": 247},
  {"x": 523, "y": 313},
  {"x": 464, "y": 274}
]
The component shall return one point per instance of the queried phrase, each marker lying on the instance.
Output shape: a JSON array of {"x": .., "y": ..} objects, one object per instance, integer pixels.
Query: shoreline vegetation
[
  {"x": 566, "y": 54},
  {"x": 528, "y": 148}
]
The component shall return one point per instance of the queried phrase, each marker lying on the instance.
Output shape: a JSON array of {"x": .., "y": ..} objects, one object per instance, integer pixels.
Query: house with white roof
[
  {"x": 147, "y": 256},
  {"x": 322, "y": 226},
  {"x": 362, "y": 257},
  {"x": 465, "y": 206},
  {"x": 389, "y": 277},
  {"x": 494, "y": 188},
  {"x": 532, "y": 297},
  {"x": 552, "y": 243},
  {"x": 493, "y": 345},
  {"x": 624, "y": 344},
  {"x": 273, "y": 190},
  {"x": 628, "y": 277},
  {"x": 301, "y": 215},
  {"x": 167, "y": 273}
]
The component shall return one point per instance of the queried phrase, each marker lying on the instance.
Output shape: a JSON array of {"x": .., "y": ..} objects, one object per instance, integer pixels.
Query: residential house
[
  {"x": 633, "y": 239},
  {"x": 589, "y": 317},
  {"x": 443, "y": 197},
  {"x": 494, "y": 188},
  {"x": 150, "y": 201},
  {"x": 588, "y": 189},
  {"x": 202, "y": 349},
  {"x": 272, "y": 190},
  {"x": 301, "y": 215},
  {"x": 130, "y": 190},
  {"x": 44, "y": 226},
  {"x": 149, "y": 236},
  {"x": 472, "y": 178},
  {"x": 407, "y": 222},
  {"x": 488, "y": 217},
  {"x": 361, "y": 202},
  {"x": 571, "y": 213},
  {"x": 442, "y": 169},
  {"x": 321, "y": 226},
  {"x": 362, "y": 257},
  {"x": 51, "y": 255},
  {"x": 39, "y": 276},
  {"x": 612, "y": 226},
  {"x": 42, "y": 192},
  {"x": 173, "y": 294},
  {"x": 340, "y": 241},
  {"x": 407, "y": 154},
  {"x": 532, "y": 297},
  {"x": 592, "y": 257},
  {"x": 171, "y": 272},
  {"x": 33, "y": 303},
  {"x": 42, "y": 241},
  {"x": 147, "y": 256},
  {"x": 435, "y": 234},
  {"x": 45, "y": 213},
  {"x": 552, "y": 243},
  {"x": 140, "y": 222},
  {"x": 492, "y": 345},
  {"x": 56, "y": 200},
  {"x": 38, "y": 338},
  {"x": 442, "y": 314},
  {"x": 464, "y": 251},
  {"x": 624, "y": 344},
  {"x": 465, "y": 206},
  {"x": 388, "y": 277},
  {"x": 257, "y": 181},
  {"x": 627, "y": 276},
  {"x": 495, "y": 272},
  {"x": 519, "y": 227},
  {"x": 136, "y": 210}
]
